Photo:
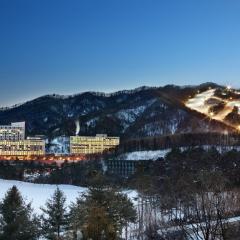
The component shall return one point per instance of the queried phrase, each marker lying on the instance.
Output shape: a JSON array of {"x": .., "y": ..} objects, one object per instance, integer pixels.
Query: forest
[{"x": 190, "y": 194}]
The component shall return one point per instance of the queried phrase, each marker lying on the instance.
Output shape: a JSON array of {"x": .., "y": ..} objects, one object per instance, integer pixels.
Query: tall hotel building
[
  {"x": 92, "y": 145},
  {"x": 13, "y": 142},
  {"x": 13, "y": 132}
]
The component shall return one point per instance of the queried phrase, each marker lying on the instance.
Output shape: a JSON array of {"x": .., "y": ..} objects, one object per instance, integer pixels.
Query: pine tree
[
  {"x": 77, "y": 217},
  {"x": 55, "y": 216},
  {"x": 102, "y": 213},
  {"x": 17, "y": 220}
]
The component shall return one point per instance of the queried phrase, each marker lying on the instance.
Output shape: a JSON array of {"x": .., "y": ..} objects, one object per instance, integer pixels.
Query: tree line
[
  {"x": 224, "y": 139},
  {"x": 181, "y": 209}
]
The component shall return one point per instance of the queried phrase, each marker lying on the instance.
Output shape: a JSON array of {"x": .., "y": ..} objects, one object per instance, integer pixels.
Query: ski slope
[{"x": 199, "y": 103}]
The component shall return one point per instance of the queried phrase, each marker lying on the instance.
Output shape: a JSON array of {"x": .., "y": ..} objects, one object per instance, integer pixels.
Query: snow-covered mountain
[
  {"x": 142, "y": 112},
  {"x": 221, "y": 104}
]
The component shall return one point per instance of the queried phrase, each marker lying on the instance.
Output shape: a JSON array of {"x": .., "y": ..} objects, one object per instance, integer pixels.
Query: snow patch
[
  {"x": 37, "y": 194},
  {"x": 144, "y": 155}
]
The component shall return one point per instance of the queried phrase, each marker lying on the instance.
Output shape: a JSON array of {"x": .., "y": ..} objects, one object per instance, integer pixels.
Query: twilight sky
[{"x": 70, "y": 46}]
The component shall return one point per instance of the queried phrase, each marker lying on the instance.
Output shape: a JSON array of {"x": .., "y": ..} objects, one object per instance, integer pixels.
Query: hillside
[{"x": 142, "y": 112}]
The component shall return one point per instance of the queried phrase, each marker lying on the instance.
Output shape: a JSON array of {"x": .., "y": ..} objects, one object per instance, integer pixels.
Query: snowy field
[{"x": 37, "y": 194}]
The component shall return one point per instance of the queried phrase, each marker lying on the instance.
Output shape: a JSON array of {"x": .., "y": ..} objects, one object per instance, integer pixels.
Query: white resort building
[{"x": 13, "y": 142}]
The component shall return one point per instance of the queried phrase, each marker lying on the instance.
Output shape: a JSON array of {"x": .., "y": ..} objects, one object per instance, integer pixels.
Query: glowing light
[
  {"x": 200, "y": 103},
  {"x": 229, "y": 88}
]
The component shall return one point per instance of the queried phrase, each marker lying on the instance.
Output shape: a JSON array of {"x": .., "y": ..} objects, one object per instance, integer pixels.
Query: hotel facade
[
  {"x": 92, "y": 144},
  {"x": 13, "y": 132},
  {"x": 13, "y": 142}
]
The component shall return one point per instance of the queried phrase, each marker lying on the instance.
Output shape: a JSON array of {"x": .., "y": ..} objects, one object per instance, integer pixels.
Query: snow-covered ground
[
  {"x": 128, "y": 116},
  {"x": 144, "y": 155},
  {"x": 156, "y": 154},
  {"x": 37, "y": 194}
]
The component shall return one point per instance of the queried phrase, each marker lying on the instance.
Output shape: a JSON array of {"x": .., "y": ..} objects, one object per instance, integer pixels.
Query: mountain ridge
[{"x": 141, "y": 112}]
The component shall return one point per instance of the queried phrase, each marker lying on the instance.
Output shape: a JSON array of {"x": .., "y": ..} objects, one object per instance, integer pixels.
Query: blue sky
[{"x": 70, "y": 46}]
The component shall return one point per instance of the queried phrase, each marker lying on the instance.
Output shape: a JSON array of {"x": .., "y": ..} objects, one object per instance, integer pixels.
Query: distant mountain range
[{"x": 142, "y": 112}]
